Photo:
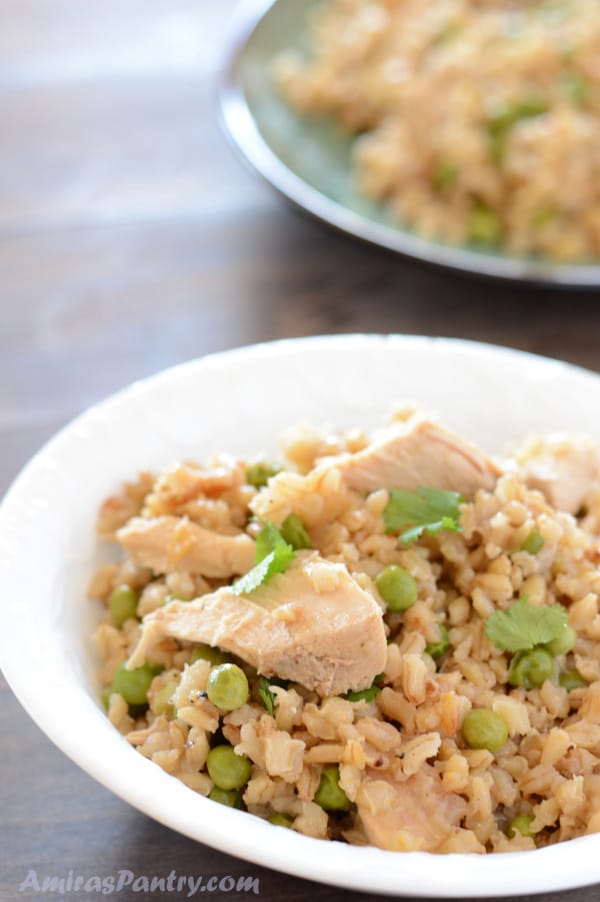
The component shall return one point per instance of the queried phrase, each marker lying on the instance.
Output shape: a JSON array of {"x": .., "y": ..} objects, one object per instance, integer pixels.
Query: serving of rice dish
[
  {"x": 388, "y": 639},
  {"x": 476, "y": 121}
]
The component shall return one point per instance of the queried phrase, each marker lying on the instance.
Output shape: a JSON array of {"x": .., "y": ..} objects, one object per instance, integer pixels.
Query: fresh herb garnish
[
  {"x": 523, "y": 625},
  {"x": 273, "y": 554},
  {"x": 533, "y": 543},
  {"x": 268, "y": 540},
  {"x": 294, "y": 532},
  {"x": 267, "y": 696},
  {"x": 445, "y": 175},
  {"x": 439, "y": 648},
  {"x": 259, "y": 473},
  {"x": 426, "y": 510},
  {"x": 576, "y": 87},
  {"x": 501, "y": 121},
  {"x": 483, "y": 226},
  {"x": 367, "y": 695}
]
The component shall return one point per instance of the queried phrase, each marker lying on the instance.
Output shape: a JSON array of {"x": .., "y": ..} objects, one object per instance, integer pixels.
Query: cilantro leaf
[
  {"x": 259, "y": 473},
  {"x": 268, "y": 539},
  {"x": 273, "y": 554},
  {"x": 294, "y": 532},
  {"x": 426, "y": 510},
  {"x": 367, "y": 695},
  {"x": 523, "y": 626},
  {"x": 267, "y": 696}
]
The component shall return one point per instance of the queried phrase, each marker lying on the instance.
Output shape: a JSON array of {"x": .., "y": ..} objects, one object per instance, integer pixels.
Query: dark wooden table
[{"x": 130, "y": 240}]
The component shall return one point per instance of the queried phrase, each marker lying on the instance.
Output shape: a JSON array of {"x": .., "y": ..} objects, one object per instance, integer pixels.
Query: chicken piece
[
  {"x": 417, "y": 452},
  {"x": 406, "y": 455},
  {"x": 165, "y": 544},
  {"x": 414, "y": 814},
  {"x": 312, "y": 624},
  {"x": 564, "y": 468}
]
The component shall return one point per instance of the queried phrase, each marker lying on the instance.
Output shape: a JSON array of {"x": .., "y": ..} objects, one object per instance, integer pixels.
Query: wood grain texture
[{"x": 130, "y": 240}]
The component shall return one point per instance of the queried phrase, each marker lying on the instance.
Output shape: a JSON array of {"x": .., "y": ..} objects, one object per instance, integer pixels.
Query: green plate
[{"x": 309, "y": 161}]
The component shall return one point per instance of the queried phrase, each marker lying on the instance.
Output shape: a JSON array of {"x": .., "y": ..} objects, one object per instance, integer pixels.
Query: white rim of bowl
[{"x": 140, "y": 782}]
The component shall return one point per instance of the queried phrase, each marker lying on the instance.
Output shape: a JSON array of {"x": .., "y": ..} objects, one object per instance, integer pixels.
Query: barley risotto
[
  {"x": 388, "y": 639},
  {"x": 477, "y": 121}
]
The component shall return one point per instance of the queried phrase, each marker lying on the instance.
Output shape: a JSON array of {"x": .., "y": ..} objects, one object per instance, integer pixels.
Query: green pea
[
  {"x": 520, "y": 824},
  {"x": 447, "y": 33},
  {"x": 227, "y": 687},
  {"x": 542, "y": 217},
  {"x": 497, "y": 147},
  {"x": 226, "y": 769},
  {"x": 483, "y": 226},
  {"x": 531, "y": 669},
  {"x": 444, "y": 176},
  {"x": 503, "y": 119},
  {"x": 330, "y": 794},
  {"x": 439, "y": 648},
  {"x": 281, "y": 820},
  {"x": 523, "y": 108},
  {"x": 533, "y": 543},
  {"x": 294, "y": 532},
  {"x": 172, "y": 596},
  {"x": 484, "y": 729},
  {"x": 133, "y": 684},
  {"x": 207, "y": 653},
  {"x": 571, "y": 679},
  {"x": 576, "y": 87},
  {"x": 258, "y": 474},
  {"x": 226, "y": 797},
  {"x": 531, "y": 106},
  {"x": 161, "y": 703},
  {"x": 122, "y": 604},
  {"x": 563, "y": 643},
  {"x": 397, "y": 587}
]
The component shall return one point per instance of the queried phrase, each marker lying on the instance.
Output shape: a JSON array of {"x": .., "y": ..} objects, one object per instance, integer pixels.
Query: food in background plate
[
  {"x": 390, "y": 640},
  {"x": 477, "y": 122}
]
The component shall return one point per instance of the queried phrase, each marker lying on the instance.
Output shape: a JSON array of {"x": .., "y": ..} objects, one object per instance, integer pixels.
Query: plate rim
[{"x": 243, "y": 134}]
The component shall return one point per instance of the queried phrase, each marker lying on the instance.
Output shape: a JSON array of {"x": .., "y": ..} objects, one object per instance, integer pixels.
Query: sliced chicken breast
[
  {"x": 412, "y": 814},
  {"x": 417, "y": 452},
  {"x": 165, "y": 544},
  {"x": 412, "y": 453},
  {"x": 564, "y": 468},
  {"x": 312, "y": 624}
]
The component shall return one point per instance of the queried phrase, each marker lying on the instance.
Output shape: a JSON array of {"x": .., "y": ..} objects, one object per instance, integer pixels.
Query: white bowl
[{"x": 239, "y": 401}]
